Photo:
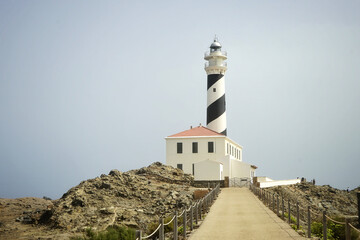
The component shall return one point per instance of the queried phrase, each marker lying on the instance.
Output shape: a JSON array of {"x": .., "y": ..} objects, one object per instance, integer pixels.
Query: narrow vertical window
[
  {"x": 210, "y": 147},
  {"x": 195, "y": 147},
  {"x": 179, "y": 147},
  {"x": 179, "y": 166},
  {"x": 214, "y": 89},
  {"x": 227, "y": 150}
]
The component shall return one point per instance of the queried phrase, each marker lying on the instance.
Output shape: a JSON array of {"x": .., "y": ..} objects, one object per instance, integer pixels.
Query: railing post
[
  {"x": 273, "y": 202},
  {"x": 289, "y": 207},
  {"x": 297, "y": 216},
  {"x": 324, "y": 226},
  {"x": 184, "y": 223},
  {"x": 347, "y": 229},
  {"x": 138, "y": 234},
  {"x": 358, "y": 198},
  {"x": 277, "y": 204},
  {"x": 191, "y": 218},
  {"x": 197, "y": 213},
  {"x": 176, "y": 226},
  {"x": 309, "y": 223},
  {"x": 161, "y": 230},
  {"x": 283, "y": 207},
  {"x": 269, "y": 200},
  {"x": 200, "y": 209},
  {"x": 206, "y": 203}
]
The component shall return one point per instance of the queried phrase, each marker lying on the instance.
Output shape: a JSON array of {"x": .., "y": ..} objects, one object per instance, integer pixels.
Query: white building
[{"x": 207, "y": 154}]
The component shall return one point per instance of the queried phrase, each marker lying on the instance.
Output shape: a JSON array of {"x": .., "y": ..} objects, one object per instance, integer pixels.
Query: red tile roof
[{"x": 196, "y": 132}]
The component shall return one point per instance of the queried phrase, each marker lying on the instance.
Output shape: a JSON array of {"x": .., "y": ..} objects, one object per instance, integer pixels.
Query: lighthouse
[
  {"x": 215, "y": 68},
  {"x": 207, "y": 152}
]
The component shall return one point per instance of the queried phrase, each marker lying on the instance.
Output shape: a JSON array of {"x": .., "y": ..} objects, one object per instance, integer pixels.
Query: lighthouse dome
[{"x": 215, "y": 45}]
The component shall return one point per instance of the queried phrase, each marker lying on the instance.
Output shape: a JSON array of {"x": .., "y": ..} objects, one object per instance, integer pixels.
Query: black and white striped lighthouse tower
[{"x": 215, "y": 69}]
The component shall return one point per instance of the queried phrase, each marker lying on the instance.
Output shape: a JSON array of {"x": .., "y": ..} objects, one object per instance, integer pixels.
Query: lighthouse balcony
[
  {"x": 223, "y": 65},
  {"x": 222, "y": 54}
]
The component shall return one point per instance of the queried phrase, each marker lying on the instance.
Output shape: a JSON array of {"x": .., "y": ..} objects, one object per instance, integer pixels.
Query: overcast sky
[{"x": 90, "y": 86}]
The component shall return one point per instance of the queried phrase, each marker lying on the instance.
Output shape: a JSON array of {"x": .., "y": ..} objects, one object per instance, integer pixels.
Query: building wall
[
  {"x": 225, "y": 160},
  {"x": 277, "y": 183},
  {"x": 233, "y": 149},
  {"x": 187, "y": 157},
  {"x": 208, "y": 170},
  {"x": 241, "y": 169},
  {"x": 225, "y": 151}
]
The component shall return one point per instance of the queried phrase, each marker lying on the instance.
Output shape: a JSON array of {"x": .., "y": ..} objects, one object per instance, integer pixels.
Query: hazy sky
[{"x": 90, "y": 86}]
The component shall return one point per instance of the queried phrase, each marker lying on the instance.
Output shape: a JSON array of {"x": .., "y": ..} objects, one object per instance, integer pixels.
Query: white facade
[
  {"x": 193, "y": 152},
  {"x": 208, "y": 170}
]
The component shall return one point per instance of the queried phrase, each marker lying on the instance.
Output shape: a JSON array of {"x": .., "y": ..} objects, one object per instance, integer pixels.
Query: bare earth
[{"x": 238, "y": 214}]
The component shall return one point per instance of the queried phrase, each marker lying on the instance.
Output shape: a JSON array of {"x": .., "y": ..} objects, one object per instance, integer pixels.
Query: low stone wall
[
  {"x": 277, "y": 183},
  {"x": 208, "y": 183}
]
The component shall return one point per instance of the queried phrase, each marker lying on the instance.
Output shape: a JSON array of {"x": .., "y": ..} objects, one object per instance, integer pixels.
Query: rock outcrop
[
  {"x": 134, "y": 198},
  {"x": 336, "y": 202}
]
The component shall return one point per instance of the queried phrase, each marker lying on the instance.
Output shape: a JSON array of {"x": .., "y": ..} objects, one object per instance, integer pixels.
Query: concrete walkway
[{"x": 238, "y": 214}]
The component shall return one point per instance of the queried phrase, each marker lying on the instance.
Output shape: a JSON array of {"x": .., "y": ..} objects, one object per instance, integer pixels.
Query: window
[
  {"x": 227, "y": 150},
  {"x": 210, "y": 147},
  {"x": 214, "y": 89},
  {"x": 193, "y": 169},
  {"x": 179, "y": 166},
  {"x": 195, "y": 147},
  {"x": 179, "y": 147}
]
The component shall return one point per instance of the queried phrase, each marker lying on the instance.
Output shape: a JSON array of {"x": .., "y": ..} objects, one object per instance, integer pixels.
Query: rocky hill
[
  {"x": 133, "y": 198},
  {"x": 336, "y": 202}
]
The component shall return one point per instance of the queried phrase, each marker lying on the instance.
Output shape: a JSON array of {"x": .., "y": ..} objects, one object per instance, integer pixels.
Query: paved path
[{"x": 238, "y": 214}]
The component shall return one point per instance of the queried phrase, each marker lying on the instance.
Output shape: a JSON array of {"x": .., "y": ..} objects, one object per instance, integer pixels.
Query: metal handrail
[
  {"x": 334, "y": 220},
  {"x": 354, "y": 228},
  {"x": 165, "y": 224},
  {"x": 152, "y": 232},
  {"x": 208, "y": 199},
  {"x": 181, "y": 213}
]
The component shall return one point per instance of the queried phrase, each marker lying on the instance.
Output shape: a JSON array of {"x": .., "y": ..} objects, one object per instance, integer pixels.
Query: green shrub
[
  {"x": 111, "y": 233},
  {"x": 294, "y": 226},
  {"x": 181, "y": 230},
  {"x": 292, "y": 218},
  {"x": 338, "y": 230},
  {"x": 317, "y": 230},
  {"x": 334, "y": 231}
]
